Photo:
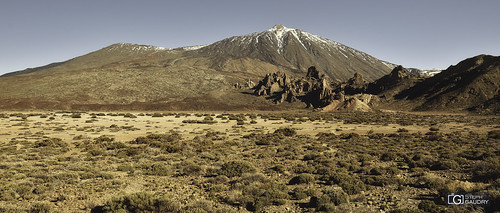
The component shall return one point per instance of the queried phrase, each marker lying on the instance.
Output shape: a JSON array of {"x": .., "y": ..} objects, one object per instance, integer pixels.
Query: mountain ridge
[{"x": 131, "y": 76}]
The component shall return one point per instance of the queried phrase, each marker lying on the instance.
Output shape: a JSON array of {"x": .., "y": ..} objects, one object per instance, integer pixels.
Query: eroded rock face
[
  {"x": 387, "y": 82},
  {"x": 316, "y": 91},
  {"x": 355, "y": 85}
]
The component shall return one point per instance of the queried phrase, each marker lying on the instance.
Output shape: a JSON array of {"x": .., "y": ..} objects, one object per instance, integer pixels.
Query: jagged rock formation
[
  {"x": 390, "y": 81},
  {"x": 355, "y": 85},
  {"x": 316, "y": 91}
]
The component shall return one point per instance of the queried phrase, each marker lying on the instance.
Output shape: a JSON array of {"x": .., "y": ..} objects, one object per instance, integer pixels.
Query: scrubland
[{"x": 237, "y": 162}]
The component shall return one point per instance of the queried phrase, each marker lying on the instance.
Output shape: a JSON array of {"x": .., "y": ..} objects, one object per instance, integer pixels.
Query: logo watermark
[{"x": 468, "y": 199}]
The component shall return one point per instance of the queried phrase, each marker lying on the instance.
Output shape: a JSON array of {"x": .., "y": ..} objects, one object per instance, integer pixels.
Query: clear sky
[{"x": 423, "y": 34}]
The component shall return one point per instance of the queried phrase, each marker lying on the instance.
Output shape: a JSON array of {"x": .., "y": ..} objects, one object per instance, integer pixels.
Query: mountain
[
  {"x": 473, "y": 83},
  {"x": 294, "y": 50},
  {"x": 106, "y": 56},
  {"x": 131, "y": 76},
  {"x": 393, "y": 83}
]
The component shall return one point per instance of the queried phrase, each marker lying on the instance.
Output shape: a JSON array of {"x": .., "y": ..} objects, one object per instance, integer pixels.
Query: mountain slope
[
  {"x": 296, "y": 50},
  {"x": 130, "y": 76},
  {"x": 471, "y": 82},
  {"x": 105, "y": 56}
]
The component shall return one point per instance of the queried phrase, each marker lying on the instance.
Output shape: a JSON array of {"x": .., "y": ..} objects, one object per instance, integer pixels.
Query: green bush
[
  {"x": 236, "y": 168},
  {"x": 139, "y": 202}
]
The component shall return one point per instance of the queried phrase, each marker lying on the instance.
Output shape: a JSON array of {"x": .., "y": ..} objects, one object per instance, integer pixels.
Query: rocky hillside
[
  {"x": 471, "y": 84},
  {"x": 317, "y": 91}
]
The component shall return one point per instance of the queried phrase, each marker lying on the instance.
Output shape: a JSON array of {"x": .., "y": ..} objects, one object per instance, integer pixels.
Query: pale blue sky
[{"x": 423, "y": 34}]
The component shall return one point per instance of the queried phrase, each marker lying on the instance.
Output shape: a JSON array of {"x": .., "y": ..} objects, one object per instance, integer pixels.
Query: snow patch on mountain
[
  {"x": 281, "y": 34},
  {"x": 189, "y": 48},
  {"x": 135, "y": 47}
]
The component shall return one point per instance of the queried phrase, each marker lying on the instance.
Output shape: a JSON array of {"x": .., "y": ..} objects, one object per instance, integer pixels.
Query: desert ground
[{"x": 250, "y": 161}]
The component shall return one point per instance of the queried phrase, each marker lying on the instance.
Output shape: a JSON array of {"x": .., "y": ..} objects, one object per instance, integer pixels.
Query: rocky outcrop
[
  {"x": 355, "y": 85},
  {"x": 389, "y": 81},
  {"x": 248, "y": 85},
  {"x": 316, "y": 91}
]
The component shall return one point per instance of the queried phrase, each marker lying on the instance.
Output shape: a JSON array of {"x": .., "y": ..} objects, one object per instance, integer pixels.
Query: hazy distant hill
[{"x": 133, "y": 76}]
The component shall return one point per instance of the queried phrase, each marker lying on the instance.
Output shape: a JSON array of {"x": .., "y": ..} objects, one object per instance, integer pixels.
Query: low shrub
[
  {"x": 302, "y": 179},
  {"x": 139, "y": 202},
  {"x": 388, "y": 156},
  {"x": 168, "y": 142},
  {"x": 258, "y": 195},
  {"x": 444, "y": 165},
  {"x": 429, "y": 206},
  {"x": 300, "y": 193},
  {"x": 236, "y": 168},
  {"x": 486, "y": 170},
  {"x": 380, "y": 180},
  {"x": 190, "y": 168},
  {"x": 51, "y": 142},
  {"x": 495, "y": 134},
  {"x": 407, "y": 210},
  {"x": 334, "y": 196},
  {"x": 125, "y": 168},
  {"x": 158, "y": 169},
  {"x": 434, "y": 129},
  {"x": 40, "y": 207},
  {"x": 287, "y": 132},
  {"x": 157, "y": 115},
  {"x": 349, "y": 183}
]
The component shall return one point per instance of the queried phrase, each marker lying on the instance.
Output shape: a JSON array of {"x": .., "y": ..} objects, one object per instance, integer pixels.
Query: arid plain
[{"x": 259, "y": 161}]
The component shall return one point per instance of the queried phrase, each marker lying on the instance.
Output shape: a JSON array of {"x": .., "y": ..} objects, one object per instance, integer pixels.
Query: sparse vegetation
[{"x": 273, "y": 165}]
